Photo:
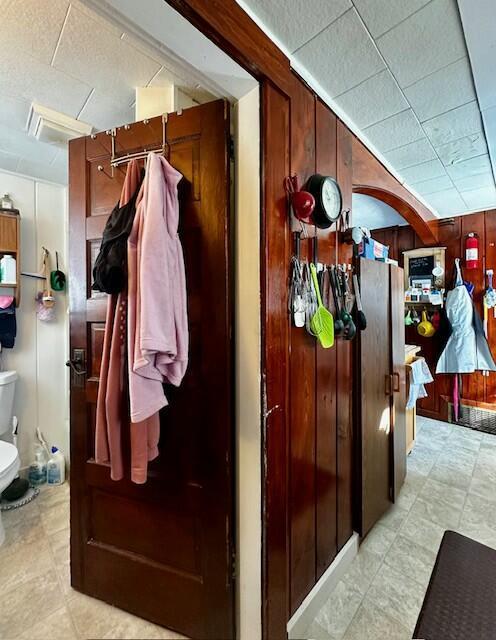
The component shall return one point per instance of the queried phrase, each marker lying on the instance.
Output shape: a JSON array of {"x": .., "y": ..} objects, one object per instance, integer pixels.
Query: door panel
[
  {"x": 162, "y": 550},
  {"x": 398, "y": 368},
  {"x": 375, "y": 393}
]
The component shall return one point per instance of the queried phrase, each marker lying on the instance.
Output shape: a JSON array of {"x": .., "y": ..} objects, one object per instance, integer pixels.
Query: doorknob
[{"x": 77, "y": 363}]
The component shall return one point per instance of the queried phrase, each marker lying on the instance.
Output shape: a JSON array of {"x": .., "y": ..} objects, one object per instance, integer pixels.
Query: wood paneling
[
  {"x": 325, "y": 371},
  {"x": 344, "y": 372}
]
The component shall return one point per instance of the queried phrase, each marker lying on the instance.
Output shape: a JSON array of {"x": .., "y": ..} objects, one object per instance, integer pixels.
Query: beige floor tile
[
  {"x": 96, "y": 619},
  {"x": 397, "y": 595},
  {"x": 50, "y": 496},
  {"x": 484, "y": 488},
  {"x": 371, "y": 623},
  {"x": 336, "y": 615},
  {"x": 15, "y": 516},
  {"x": 57, "y": 626},
  {"x": 22, "y": 532},
  {"x": 435, "y": 491},
  {"x": 22, "y": 607},
  {"x": 316, "y": 632},
  {"x": 410, "y": 559},
  {"x": 55, "y": 518},
  {"x": 479, "y": 512},
  {"x": 424, "y": 532},
  {"x": 452, "y": 474},
  {"x": 439, "y": 512},
  {"x": 379, "y": 540},
  {"x": 28, "y": 562},
  {"x": 362, "y": 571},
  {"x": 60, "y": 548},
  {"x": 394, "y": 517}
]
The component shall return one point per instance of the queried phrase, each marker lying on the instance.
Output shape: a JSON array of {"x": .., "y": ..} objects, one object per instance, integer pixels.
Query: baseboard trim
[{"x": 309, "y": 608}]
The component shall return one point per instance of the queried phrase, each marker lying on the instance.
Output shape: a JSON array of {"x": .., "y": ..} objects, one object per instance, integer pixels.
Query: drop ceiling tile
[
  {"x": 19, "y": 143},
  {"x": 103, "y": 112},
  {"x": 425, "y": 42},
  {"x": 426, "y": 187},
  {"x": 442, "y": 90},
  {"x": 34, "y": 81},
  {"x": 8, "y": 161},
  {"x": 411, "y": 154},
  {"x": 42, "y": 171},
  {"x": 373, "y": 100},
  {"x": 295, "y": 22},
  {"x": 424, "y": 171},
  {"x": 337, "y": 65},
  {"x": 394, "y": 132},
  {"x": 489, "y": 117},
  {"x": 32, "y": 27},
  {"x": 89, "y": 52},
  {"x": 462, "y": 149},
  {"x": 447, "y": 203},
  {"x": 484, "y": 198},
  {"x": 381, "y": 15},
  {"x": 14, "y": 112},
  {"x": 479, "y": 181},
  {"x": 471, "y": 167},
  {"x": 453, "y": 125}
]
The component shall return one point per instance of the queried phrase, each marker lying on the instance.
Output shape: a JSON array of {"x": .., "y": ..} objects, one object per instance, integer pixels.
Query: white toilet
[{"x": 9, "y": 458}]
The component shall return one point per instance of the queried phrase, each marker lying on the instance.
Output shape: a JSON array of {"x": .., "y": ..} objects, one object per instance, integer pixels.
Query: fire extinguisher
[{"x": 472, "y": 251}]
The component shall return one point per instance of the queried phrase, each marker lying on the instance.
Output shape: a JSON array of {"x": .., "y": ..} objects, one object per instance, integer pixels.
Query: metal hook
[{"x": 102, "y": 170}]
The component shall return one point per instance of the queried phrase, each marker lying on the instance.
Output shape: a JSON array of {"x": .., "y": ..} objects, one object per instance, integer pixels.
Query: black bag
[{"x": 110, "y": 269}]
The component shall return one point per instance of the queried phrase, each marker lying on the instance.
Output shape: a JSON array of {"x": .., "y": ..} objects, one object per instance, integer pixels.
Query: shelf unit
[{"x": 10, "y": 243}]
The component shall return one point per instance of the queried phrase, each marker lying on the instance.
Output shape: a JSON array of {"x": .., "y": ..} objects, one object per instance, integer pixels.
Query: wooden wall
[
  {"x": 477, "y": 389},
  {"x": 309, "y": 448}
]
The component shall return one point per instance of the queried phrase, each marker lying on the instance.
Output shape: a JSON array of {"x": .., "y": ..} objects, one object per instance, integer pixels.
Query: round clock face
[{"x": 331, "y": 198}]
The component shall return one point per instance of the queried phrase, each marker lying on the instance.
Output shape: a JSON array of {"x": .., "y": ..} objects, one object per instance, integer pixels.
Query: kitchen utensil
[
  {"x": 322, "y": 322},
  {"x": 338, "y": 323},
  {"x": 361, "y": 320},
  {"x": 302, "y": 202},
  {"x": 57, "y": 277},
  {"x": 296, "y": 296},
  {"x": 436, "y": 320},
  {"x": 408, "y": 318},
  {"x": 425, "y": 328},
  {"x": 415, "y": 317}
]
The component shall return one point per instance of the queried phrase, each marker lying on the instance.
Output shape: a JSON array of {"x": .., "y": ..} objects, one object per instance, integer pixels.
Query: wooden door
[
  {"x": 162, "y": 550},
  {"x": 398, "y": 369},
  {"x": 375, "y": 389}
]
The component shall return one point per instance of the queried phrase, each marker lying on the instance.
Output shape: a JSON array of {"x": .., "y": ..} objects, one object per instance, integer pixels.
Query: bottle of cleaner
[
  {"x": 38, "y": 468},
  {"x": 8, "y": 270},
  {"x": 56, "y": 467}
]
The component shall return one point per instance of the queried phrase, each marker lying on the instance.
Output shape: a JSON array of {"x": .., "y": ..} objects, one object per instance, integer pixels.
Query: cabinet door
[
  {"x": 375, "y": 388},
  {"x": 398, "y": 369}
]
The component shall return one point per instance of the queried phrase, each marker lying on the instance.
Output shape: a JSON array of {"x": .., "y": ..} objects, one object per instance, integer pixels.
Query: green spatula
[{"x": 322, "y": 322}]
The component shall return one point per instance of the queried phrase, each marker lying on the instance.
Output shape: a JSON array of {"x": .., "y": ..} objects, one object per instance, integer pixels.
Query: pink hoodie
[{"x": 157, "y": 309}]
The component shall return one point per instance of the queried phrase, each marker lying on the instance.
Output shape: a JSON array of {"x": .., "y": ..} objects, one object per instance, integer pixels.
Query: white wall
[
  {"x": 248, "y": 366},
  {"x": 40, "y": 352}
]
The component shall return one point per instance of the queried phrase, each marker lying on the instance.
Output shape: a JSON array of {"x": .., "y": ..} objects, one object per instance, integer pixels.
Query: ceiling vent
[{"x": 52, "y": 127}]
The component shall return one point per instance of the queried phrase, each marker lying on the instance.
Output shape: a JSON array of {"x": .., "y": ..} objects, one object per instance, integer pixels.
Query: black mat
[{"x": 460, "y": 603}]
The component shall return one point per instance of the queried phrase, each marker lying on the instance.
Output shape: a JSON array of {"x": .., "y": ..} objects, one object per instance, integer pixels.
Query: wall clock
[{"x": 328, "y": 200}]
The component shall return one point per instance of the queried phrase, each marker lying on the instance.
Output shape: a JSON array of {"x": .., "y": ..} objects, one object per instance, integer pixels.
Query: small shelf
[{"x": 10, "y": 233}]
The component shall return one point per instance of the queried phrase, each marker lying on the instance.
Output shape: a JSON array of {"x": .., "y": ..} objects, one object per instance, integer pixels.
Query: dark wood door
[
  {"x": 375, "y": 389},
  {"x": 398, "y": 368},
  {"x": 162, "y": 550}
]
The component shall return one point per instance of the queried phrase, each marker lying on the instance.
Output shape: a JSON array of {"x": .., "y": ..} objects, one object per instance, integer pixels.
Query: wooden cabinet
[
  {"x": 381, "y": 392},
  {"x": 10, "y": 244}
]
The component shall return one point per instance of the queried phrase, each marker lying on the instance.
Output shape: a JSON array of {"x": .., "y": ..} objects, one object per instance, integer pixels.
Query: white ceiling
[
  {"x": 400, "y": 72},
  {"x": 374, "y": 214},
  {"x": 86, "y": 64}
]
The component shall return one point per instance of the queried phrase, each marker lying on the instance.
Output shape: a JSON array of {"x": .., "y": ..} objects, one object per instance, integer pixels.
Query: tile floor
[
  {"x": 36, "y": 599},
  {"x": 450, "y": 484}
]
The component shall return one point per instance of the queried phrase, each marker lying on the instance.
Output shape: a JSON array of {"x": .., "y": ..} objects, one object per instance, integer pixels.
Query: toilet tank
[{"x": 7, "y": 388}]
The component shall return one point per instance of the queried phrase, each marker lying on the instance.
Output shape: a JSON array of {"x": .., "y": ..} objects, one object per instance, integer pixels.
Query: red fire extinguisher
[{"x": 472, "y": 251}]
